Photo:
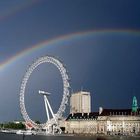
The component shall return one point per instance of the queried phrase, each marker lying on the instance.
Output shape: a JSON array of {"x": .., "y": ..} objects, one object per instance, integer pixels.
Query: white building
[
  {"x": 80, "y": 102},
  {"x": 106, "y": 121},
  {"x": 109, "y": 121}
]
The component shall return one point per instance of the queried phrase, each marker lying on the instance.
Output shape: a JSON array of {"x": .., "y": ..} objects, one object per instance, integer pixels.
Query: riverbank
[
  {"x": 95, "y": 136},
  {"x": 8, "y": 136}
]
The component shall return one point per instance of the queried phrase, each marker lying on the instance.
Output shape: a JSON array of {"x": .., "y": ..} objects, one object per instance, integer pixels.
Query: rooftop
[{"x": 105, "y": 112}]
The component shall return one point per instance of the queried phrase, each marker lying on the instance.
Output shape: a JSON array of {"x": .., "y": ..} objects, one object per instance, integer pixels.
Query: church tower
[{"x": 134, "y": 104}]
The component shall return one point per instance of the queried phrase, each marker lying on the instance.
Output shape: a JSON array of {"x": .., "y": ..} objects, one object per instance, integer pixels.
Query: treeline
[{"x": 12, "y": 125}]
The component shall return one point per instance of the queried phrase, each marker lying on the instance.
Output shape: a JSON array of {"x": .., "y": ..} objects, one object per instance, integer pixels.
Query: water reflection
[{"x": 101, "y": 138}]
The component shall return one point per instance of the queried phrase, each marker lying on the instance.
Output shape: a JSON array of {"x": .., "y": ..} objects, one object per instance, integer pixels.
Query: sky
[{"x": 98, "y": 41}]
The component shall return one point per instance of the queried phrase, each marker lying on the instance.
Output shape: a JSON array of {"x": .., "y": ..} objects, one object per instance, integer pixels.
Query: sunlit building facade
[
  {"x": 80, "y": 102},
  {"x": 106, "y": 121}
]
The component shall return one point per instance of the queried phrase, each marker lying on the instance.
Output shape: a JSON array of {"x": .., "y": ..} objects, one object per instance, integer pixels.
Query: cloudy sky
[{"x": 98, "y": 41}]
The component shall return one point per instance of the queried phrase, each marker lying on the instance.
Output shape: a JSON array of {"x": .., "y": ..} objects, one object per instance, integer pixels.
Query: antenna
[{"x": 81, "y": 88}]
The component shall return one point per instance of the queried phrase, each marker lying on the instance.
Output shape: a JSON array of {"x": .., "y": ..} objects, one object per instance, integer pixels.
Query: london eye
[{"x": 64, "y": 101}]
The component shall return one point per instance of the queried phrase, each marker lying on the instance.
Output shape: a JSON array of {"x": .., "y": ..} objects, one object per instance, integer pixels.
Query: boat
[{"x": 27, "y": 132}]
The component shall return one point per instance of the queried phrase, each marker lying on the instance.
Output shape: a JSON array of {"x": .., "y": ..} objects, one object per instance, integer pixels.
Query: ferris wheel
[{"x": 50, "y": 121}]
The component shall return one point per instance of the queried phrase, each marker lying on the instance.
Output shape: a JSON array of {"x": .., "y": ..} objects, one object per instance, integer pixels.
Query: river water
[{"x": 4, "y": 136}]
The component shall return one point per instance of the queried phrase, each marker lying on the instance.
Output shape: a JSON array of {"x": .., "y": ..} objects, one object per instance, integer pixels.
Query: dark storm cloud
[
  {"x": 48, "y": 19},
  {"x": 103, "y": 64}
]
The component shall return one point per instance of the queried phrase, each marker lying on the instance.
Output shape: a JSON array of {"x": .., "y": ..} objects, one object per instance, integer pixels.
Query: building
[
  {"x": 80, "y": 102},
  {"x": 110, "y": 121},
  {"x": 106, "y": 121}
]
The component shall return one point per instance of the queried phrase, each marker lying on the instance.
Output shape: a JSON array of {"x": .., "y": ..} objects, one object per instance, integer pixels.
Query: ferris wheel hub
[{"x": 44, "y": 93}]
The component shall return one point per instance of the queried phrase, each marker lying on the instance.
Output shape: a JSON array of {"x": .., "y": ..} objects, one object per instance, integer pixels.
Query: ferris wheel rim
[{"x": 65, "y": 79}]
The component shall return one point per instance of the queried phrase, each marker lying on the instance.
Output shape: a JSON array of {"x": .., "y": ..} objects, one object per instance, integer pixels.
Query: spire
[{"x": 134, "y": 104}]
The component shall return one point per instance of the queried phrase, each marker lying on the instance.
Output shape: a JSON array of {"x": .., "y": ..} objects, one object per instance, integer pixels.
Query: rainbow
[
  {"x": 6, "y": 14},
  {"x": 47, "y": 43}
]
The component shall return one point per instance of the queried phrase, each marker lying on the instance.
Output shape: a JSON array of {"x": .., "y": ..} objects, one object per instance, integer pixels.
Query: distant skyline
[{"x": 99, "y": 41}]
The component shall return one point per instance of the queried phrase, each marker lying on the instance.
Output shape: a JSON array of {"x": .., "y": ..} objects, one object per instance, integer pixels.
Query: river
[{"x": 4, "y": 136}]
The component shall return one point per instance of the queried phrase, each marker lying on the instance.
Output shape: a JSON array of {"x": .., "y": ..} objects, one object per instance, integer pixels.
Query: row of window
[
  {"x": 124, "y": 113},
  {"x": 127, "y": 125}
]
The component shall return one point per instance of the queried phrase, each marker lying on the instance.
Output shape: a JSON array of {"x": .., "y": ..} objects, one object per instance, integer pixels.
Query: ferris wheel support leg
[
  {"x": 46, "y": 106},
  {"x": 51, "y": 109}
]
